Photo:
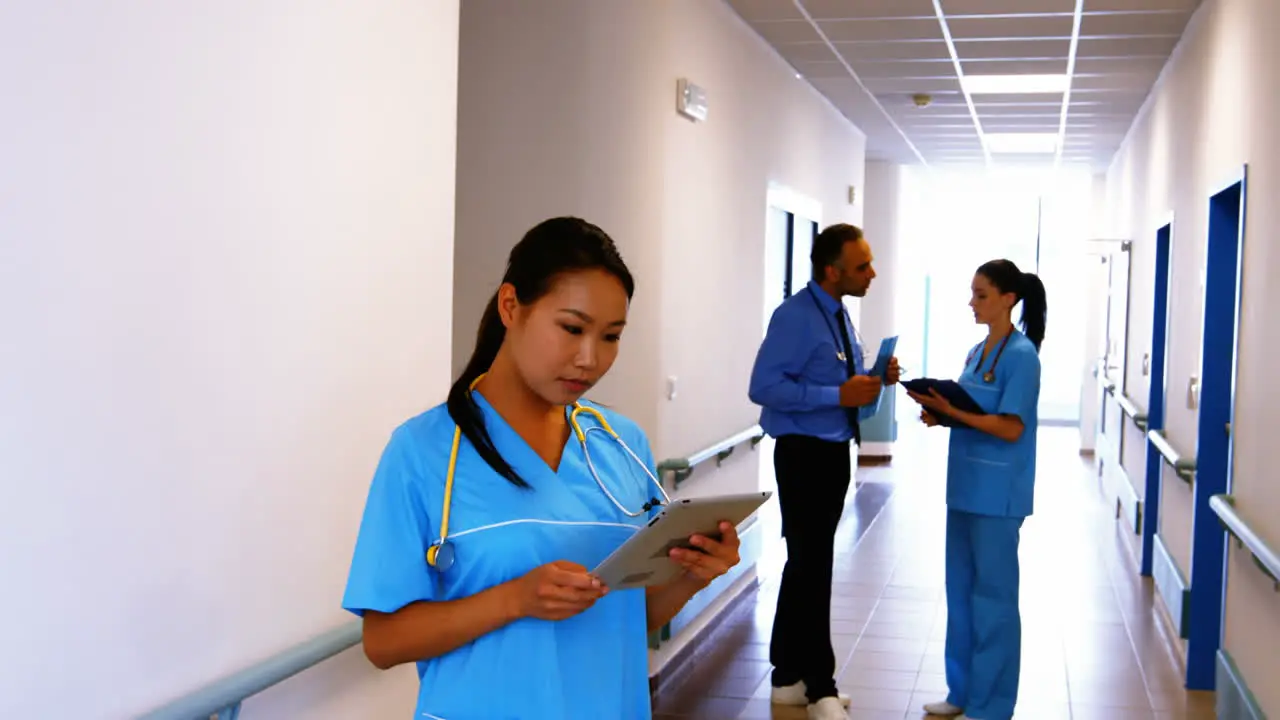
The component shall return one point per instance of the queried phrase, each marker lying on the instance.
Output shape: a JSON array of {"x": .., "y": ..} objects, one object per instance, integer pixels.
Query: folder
[
  {"x": 959, "y": 398},
  {"x": 881, "y": 366}
]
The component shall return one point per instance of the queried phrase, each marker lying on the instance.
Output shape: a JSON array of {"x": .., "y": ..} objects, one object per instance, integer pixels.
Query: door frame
[
  {"x": 1224, "y": 265},
  {"x": 1157, "y": 389}
]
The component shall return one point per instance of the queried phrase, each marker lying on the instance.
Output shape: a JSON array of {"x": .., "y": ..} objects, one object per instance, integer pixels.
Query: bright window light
[
  {"x": 1013, "y": 84},
  {"x": 1021, "y": 142}
]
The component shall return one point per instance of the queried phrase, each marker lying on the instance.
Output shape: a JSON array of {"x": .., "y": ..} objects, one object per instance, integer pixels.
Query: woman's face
[
  {"x": 565, "y": 341},
  {"x": 988, "y": 303}
]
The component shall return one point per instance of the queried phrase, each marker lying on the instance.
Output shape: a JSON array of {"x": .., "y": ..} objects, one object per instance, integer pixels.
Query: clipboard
[
  {"x": 954, "y": 394},
  {"x": 644, "y": 559}
]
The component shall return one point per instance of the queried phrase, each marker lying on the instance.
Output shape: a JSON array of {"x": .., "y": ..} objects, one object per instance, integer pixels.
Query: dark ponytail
[
  {"x": 550, "y": 249},
  {"x": 1007, "y": 278},
  {"x": 1035, "y": 308}
]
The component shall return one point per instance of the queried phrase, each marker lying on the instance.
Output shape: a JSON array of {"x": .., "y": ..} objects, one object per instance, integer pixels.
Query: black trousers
[{"x": 813, "y": 479}]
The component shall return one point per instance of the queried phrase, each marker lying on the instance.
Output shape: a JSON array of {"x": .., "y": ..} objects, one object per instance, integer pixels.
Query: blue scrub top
[
  {"x": 592, "y": 665},
  {"x": 987, "y": 475}
]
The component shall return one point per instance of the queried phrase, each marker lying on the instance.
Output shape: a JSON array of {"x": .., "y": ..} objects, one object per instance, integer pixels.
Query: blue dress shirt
[{"x": 798, "y": 370}]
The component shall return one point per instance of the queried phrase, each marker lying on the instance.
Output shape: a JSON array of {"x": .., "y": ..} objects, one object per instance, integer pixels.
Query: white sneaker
[
  {"x": 797, "y": 695},
  {"x": 944, "y": 709},
  {"x": 828, "y": 708}
]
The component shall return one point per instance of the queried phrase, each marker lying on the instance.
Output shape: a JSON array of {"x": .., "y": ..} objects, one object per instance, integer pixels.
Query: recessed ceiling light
[
  {"x": 1013, "y": 84},
  {"x": 1021, "y": 142}
]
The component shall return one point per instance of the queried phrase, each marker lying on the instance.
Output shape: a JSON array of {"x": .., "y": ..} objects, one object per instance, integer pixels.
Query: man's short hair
[{"x": 828, "y": 246}]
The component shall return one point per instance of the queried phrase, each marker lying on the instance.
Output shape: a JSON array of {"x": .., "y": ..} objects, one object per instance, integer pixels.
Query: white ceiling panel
[
  {"x": 864, "y": 9},
  {"x": 1137, "y": 24},
  {"x": 913, "y": 85},
  {"x": 957, "y": 8},
  {"x": 898, "y": 49},
  {"x": 903, "y": 69},
  {"x": 1121, "y": 47},
  {"x": 806, "y": 52},
  {"x": 1012, "y": 27},
  {"x": 1034, "y": 49},
  {"x": 1134, "y": 82},
  {"x": 1130, "y": 5},
  {"x": 831, "y": 69},
  {"x": 1103, "y": 66},
  {"x": 1054, "y": 66},
  {"x": 890, "y": 29},
  {"x": 871, "y": 51}
]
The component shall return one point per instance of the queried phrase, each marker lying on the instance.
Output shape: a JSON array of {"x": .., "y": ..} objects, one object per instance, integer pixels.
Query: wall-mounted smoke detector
[{"x": 922, "y": 99}]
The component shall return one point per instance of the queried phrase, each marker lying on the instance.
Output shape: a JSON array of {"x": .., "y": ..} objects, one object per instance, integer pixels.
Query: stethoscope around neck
[
  {"x": 441, "y": 556},
  {"x": 990, "y": 375}
]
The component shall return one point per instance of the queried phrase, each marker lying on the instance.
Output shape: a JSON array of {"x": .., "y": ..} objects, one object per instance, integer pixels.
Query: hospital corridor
[
  {"x": 639, "y": 359},
  {"x": 1091, "y": 648}
]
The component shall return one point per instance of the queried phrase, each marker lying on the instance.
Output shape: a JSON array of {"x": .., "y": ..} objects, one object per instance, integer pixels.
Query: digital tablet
[{"x": 644, "y": 559}]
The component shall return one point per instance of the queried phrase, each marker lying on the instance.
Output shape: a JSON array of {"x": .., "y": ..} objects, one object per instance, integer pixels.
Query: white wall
[
  {"x": 225, "y": 234},
  {"x": 1214, "y": 110},
  {"x": 577, "y": 115}
]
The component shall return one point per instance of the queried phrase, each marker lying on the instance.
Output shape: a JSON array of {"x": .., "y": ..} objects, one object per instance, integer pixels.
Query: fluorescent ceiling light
[
  {"x": 1014, "y": 84},
  {"x": 1021, "y": 142}
]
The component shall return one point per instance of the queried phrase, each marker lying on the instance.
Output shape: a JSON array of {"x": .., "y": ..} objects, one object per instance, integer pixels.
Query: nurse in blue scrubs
[
  {"x": 991, "y": 469},
  {"x": 505, "y": 621}
]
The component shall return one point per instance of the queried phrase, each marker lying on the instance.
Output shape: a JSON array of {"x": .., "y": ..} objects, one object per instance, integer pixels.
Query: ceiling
[{"x": 869, "y": 57}]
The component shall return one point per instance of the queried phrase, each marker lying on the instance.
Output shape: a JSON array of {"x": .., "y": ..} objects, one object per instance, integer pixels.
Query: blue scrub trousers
[{"x": 984, "y": 629}]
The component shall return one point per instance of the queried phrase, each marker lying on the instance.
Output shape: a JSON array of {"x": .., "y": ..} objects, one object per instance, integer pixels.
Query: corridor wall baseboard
[
  {"x": 1233, "y": 701},
  {"x": 1172, "y": 587},
  {"x": 695, "y": 637},
  {"x": 874, "y": 454}
]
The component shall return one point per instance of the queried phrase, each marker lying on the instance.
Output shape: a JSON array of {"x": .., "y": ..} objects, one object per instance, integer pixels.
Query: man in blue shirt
[{"x": 809, "y": 378}]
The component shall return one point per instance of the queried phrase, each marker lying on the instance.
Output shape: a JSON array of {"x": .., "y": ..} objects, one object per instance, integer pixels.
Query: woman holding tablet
[
  {"x": 484, "y": 514},
  {"x": 991, "y": 468}
]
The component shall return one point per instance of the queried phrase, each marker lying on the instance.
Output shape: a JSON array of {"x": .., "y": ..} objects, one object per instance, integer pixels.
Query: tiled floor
[{"x": 1092, "y": 650}]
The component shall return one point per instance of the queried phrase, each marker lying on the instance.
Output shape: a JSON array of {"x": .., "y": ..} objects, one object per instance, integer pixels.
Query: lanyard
[
  {"x": 831, "y": 328},
  {"x": 990, "y": 375}
]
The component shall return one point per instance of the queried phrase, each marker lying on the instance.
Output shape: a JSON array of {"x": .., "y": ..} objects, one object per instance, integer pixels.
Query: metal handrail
[
  {"x": 1185, "y": 468},
  {"x": 1267, "y": 560},
  {"x": 222, "y": 698},
  {"x": 1127, "y": 407},
  {"x": 682, "y": 468}
]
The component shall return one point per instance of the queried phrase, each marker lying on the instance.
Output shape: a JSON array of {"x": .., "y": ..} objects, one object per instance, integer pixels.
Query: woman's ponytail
[
  {"x": 1035, "y": 308},
  {"x": 1027, "y": 287},
  {"x": 462, "y": 405}
]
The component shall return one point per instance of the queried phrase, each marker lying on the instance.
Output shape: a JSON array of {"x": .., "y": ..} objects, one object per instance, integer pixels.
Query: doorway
[
  {"x": 1216, "y": 399},
  {"x": 1155, "y": 366},
  {"x": 791, "y": 224}
]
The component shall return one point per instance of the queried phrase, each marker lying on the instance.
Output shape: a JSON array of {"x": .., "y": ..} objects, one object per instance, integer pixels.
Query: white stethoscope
[{"x": 441, "y": 555}]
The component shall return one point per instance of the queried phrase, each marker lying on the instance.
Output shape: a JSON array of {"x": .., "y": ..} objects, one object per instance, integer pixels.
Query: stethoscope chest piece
[
  {"x": 441, "y": 556},
  {"x": 988, "y": 377}
]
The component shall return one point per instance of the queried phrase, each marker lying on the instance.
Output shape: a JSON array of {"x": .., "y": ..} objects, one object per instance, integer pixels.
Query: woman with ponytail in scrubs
[
  {"x": 485, "y": 515},
  {"x": 991, "y": 469}
]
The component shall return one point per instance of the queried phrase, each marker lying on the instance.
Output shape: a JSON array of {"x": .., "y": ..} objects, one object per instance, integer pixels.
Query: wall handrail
[
  {"x": 223, "y": 697},
  {"x": 1130, "y": 409},
  {"x": 1267, "y": 559},
  {"x": 681, "y": 468},
  {"x": 1183, "y": 467}
]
